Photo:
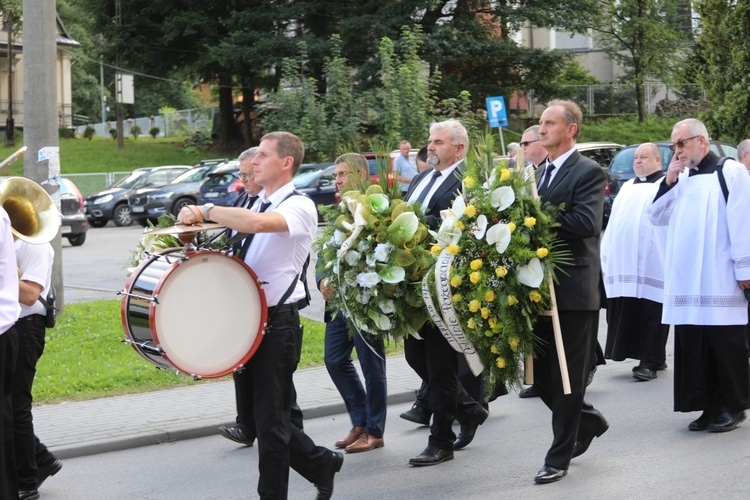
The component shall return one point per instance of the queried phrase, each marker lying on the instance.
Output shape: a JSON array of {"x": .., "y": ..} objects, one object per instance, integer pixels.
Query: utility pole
[
  {"x": 10, "y": 124},
  {"x": 118, "y": 85}
]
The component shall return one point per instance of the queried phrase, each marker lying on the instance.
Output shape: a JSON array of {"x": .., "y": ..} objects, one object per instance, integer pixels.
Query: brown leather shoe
[
  {"x": 366, "y": 442},
  {"x": 353, "y": 436}
]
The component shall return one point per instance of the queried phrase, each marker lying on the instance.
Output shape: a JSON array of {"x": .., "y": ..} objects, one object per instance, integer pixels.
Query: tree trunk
[
  {"x": 640, "y": 96},
  {"x": 248, "y": 105},
  {"x": 226, "y": 111}
]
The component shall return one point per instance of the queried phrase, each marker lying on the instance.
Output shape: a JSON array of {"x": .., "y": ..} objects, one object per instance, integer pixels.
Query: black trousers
[
  {"x": 29, "y": 451},
  {"x": 436, "y": 363},
  {"x": 8, "y": 351},
  {"x": 572, "y": 417},
  {"x": 280, "y": 444}
]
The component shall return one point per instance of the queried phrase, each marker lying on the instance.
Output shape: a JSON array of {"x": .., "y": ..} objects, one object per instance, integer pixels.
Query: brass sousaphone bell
[{"x": 33, "y": 215}]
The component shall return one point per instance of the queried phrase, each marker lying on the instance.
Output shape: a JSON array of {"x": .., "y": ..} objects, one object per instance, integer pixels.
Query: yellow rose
[
  {"x": 504, "y": 174},
  {"x": 500, "y": 363},
  {"x": 514, "y": 344},
  {"x": 535, "y": 296},
  {"x": 457, "y": 298},
  {"x": 459, "y": 225},
  {"x": 475, "y": 277},
  {"x": 501, "y": 272},
  {"x": 494, "y": 350},
  {"x": 511, "y": 226},
  {"x": 542, "y": 252},
  {"x": 485, "y": 313},
  {"x": 474, "y": 305},
  {"x": 512, "y": 300},
  {"x": 489, "y": 296},
  {"x": 476, "y": 264},
  {"x": 436, "y": 249},
  {"x": 469, "y": 182},
  {"x": 471, "y": 323},
  {"x": 453, "y": 249},
  {"x": 492, "y": 322},
  {"x": 529, "y": 222},
  {"x": 456, "y": 280},
  {"x": 470, "y": 211}
]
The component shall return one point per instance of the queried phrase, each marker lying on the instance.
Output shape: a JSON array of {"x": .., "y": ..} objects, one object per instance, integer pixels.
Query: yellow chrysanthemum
[
  {"x": 535, "y": 296},
  {"x": 436, "y": 249},
  {"x": 457, "y": 298},
  {"x": 476, "y": 264},
  {"x": 542, "y": 252},
  {"x": 514, "y": 344},
  {"x": 459, "y": 225},
  {"x": 511, "y": 226},
  {"x": 529, "y": 222},
  {"x": 474, "y": 305},
  {"x": 470, "y": 211},
  {"x": 501, "y": 272},
  {"x": 456, "y": 280},
  {"x": 485, "y": 313},
  {"x": 512, "y": 300},
  {"x": 469, "y": 182},
  {"x": 471, "y": 323},
  {"x": 475, "y": 277},
  {"x": 500, "y": 363},
  {"x": 453, "y": 249},
  {"x": 504, "y": 175},
  {"x": 494, "y": 350},
  {"x": 489, "y": 296}
]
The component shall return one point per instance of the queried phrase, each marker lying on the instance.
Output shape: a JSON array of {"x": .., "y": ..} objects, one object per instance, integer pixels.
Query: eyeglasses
[
  {"x": 681, "y": 143},
  {"x": 245, "y": 177},
  {"x": 526, "y": 143},
  {"x": 341, "y": 175}
]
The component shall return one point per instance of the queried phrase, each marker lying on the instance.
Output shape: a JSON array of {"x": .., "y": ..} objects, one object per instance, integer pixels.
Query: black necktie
[
  {"x": 246, "y": 244},
  {"x": 547, "y": 178},
  {"x": 427, "y": 188}
]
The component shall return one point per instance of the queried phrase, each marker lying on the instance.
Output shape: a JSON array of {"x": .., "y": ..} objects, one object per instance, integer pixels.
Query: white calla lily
[
  {"x": 532, "y": 274},
  {"x": 491, "y": 180},
  {"x": 403, "y": 228},
  {"x": 502, "y": 198},
  {"x": 392, "y": 274},
  {"x": 499, "y": 235},
  {"x": 480, "y": 227},
  {"x": 378, "y": 202}
]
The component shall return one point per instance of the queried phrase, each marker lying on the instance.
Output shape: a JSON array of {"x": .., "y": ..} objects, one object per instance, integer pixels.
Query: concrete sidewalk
[{"x": 110, "y": 424}]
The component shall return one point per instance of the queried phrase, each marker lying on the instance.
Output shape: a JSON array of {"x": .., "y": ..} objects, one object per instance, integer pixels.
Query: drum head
[{"x": 209, "y": 314}]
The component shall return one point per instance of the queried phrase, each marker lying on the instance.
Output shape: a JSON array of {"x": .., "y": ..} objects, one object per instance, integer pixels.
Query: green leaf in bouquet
[
  {"x": 381, "y": 320},
  {"x": 403, "y": 228},
  {"x": 403, "y": 258},
  {"x": 391, "y": 274},
  {"x": 378, "y": 203}
]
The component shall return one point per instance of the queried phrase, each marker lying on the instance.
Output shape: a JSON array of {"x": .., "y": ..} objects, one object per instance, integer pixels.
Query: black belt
[
  {"x": 293, "y": 307},
  {"x": 31, "y": 318}
]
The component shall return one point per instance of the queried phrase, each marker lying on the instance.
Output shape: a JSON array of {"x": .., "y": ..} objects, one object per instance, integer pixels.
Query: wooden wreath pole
[{"x": 553, "y": 312}]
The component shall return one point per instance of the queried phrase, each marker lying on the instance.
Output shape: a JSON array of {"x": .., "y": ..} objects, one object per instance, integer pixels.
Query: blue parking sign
[{"x": 496, "y": 111}]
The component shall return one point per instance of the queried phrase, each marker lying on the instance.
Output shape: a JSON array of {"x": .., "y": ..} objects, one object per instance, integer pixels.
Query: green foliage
[
  {"x": 89, "y": 132},
  {"x": 343, "y": 113},
  {"x": 153, "y": 132},
  {"x": 66, "y": 132},
  {"x": 627, "y": 130},
  {"x": 197, "y": 141},
  {"x": 113, "y": 133},
  {"x": 135, "y": 131}
]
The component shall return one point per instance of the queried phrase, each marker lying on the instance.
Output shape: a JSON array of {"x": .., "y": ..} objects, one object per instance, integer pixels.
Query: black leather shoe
[
  {"x": 644, "y": 374},
  {"x": 658, "y": 368},
  {"x": 325, "y": 483},
  {"x": 549, "y": 474},
  {"x": 28, "y": 495},
  {"x": 47, "y": 470},
  {"x": 591, "y": 376},
  {"x": 237, "y": 435},
  {"x": 418, "y": 415},
  {"x": 701, "y": 423},
  {"x": 529, "y": 392},
  {"x": 726, "y": 421},
  {"x": 431, "y": 456},
  {"x": 583, "y": 444},
  {"x": 469, "y": 429}
]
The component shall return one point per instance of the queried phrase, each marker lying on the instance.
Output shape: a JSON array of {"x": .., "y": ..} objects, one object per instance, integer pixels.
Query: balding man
[
  {"x": 743, "y": 153},
  {"x": 632, "y": 256},
  {"x": 533, "y": 151}
]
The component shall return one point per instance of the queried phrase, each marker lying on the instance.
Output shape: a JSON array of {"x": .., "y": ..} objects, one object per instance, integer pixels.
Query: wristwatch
[{"x": 206, "y": 209}]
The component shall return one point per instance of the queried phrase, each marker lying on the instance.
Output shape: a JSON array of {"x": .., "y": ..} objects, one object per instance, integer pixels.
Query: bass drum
[{"x": 200, "y": 313}]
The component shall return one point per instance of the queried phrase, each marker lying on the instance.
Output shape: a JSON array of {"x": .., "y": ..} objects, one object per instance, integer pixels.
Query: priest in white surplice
[
  {"x": 707, "y": 267},
  {"x": 632, "y": 256}
]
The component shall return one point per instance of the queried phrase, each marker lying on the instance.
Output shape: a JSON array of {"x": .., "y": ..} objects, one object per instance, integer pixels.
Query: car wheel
[
  {"x": 121, "y": 215},
  {"x": 77, "y": 239},
  {"x": 182, "y": 202},
  {"x": 98, "y": 222}
]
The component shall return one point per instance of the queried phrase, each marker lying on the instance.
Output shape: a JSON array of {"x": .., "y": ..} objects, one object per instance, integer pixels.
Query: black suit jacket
[
  {"x": 442, "y": 198},
  {"x": 579, "y": 187}
]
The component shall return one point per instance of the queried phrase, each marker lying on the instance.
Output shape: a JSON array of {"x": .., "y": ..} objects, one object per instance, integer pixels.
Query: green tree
[
  {"x": 645, "y": 37},
  {"x": 343, "y": 111},
  {"x": 724, "y": 45}
]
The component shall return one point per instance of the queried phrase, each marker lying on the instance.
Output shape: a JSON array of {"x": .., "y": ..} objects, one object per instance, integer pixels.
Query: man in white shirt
[
  {"x": 283, "y": 228},
  {"x": 632, "y": 255},
  {"x": 707, "y": 267},
  {"x": 404, "y": 166}
]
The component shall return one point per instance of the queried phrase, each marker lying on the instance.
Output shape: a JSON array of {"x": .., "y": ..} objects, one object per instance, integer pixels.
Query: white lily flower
[
  {"x": 531, "y": 274},
  {"x": 502, "y": 198},
  {"x": 499, "y": 235}
]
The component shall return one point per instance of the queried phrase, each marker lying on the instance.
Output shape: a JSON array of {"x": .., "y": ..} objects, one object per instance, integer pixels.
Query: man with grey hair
[
  {"x": 533, "y": 151},
  {"x": 433, "y": 358},
  {"x": 704, "y": 201},
  {"x": 512, "y": 152},
  {"x": 743, "y": 153}
]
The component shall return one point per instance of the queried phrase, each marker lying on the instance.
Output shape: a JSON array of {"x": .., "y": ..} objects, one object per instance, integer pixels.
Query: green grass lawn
[{"x": 85, "y": 358}]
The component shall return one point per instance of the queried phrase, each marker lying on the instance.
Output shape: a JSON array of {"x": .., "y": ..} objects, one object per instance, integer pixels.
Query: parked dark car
[
  {"x": 112, "y": 203},
  {"x": 73, "y": 224},
  {"x": 148, "y": 203},
  {"x": 222, "y": 186},
  {"x": 319, "y": 185}
]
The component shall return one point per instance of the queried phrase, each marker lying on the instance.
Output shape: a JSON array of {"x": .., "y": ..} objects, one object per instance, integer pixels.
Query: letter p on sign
[{"x": 496, "y": 112}]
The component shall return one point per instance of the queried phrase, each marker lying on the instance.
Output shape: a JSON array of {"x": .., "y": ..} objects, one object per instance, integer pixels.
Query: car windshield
[
  {"x": 129, "y": 181},
  {"x": 305, "y": 178},
  {"x": 219, "y": 179},
  {"x": 192, "y": 175}
]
